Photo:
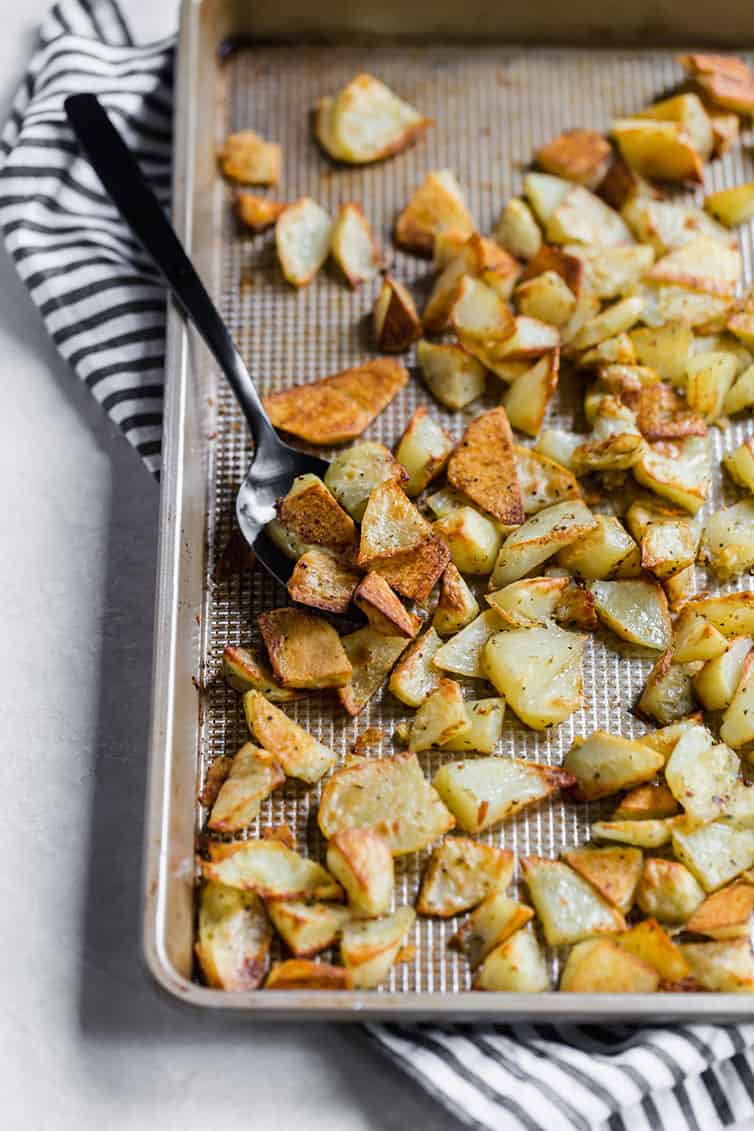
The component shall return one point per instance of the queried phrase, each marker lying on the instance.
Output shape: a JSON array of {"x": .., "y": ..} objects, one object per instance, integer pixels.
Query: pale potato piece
[
  {"x": 441, "y": 717},
  {"x": 667, "y": 891},
  {"x": 600, "y": 551},
  {"x": 538, "y": 671},
  {"x": 460, "y": 874},
  {"x": 542, "y": 480},
  {"x": 702, "y": 265},
  {"x": 668, "y": 547},
  {"x": 479, "y": 313},
  {"x": 388, "y": 794},
  {"x": 741, "y": 396},
  {"x": 453, "y": 376},
  {"x": 667, "y": 224},
  {"x": 733, "y": 205},
  {"x": 650, "y": 942},
  {"x": 647, "y": 802},
  {"x": 544, "y": 193},
  {"x": 437, "y": 205},
  {"x": 271, "y": 870},
  {"x": 464, "y": 653},
  {"x": 666, "y": 302},
  {"x": 457, "y": 606},
  {"x": 668, "y": 693},
  {"x": 297, "y": 752},
  {"x": 530, "y": 339},
  {"x": 315, "y": 516},
  {"x": 414, "y": 676},
  {"x": 725, "y": 131},
  {"x": 253, "y": 775},
  {"x": 710, "y": 377},
  {"x": 517, "y": 230},
  {"x": 606, "y": 763},
  {"x": 423, "y": 450},
  {"x": 694, "y": 639},
  {"x": 483, "y": 467},
  {"x": 733, "y": 613},
  {"x": 395, "y": 319},
  {"x": 485, "y": 719},
  {"x": 369, "y": 947},
  {"x": 302, "y": 236},
  {"x": 361, "y": 861},
  {"x": 483, "y": 792},
  {"x": 600, "y": 966},
  {"x": 641, "y": 834},
  {"x": 611, "y": 352},
  {"x": 714, "y": 853},
  {"x": 546, "y": 297},
  {"x": 321, "y": 582},
  {"x": 530, "y": 602},
  {"x": 540, "y": 536},
  {"x": 353, "y": 245},
  {"x": 636, "y": 611},
  {"x": 679, "y": 587},
  {"x": 304, "y": 650},
  {"x": 244, "y": 669},
  {"x": 286, "y": 541},
  {"x": 515, "y": 966},
  {"x": 527, "y": 399},
  {"x": 307, "y": 928},
  {"x": 569, "y": 908},
  {"x": 390, "y": 523},
  {"x": 496, "y": 918},
  {"x": 366, "y": 122},
  {"x": 687, "y": 109},
  {"x": 615, "y": 319},
  {"x": 581, "y": 217},
  {"x": 473, "y": 540},
  {"x": 737, "y": 727},
  {"x": 248, "y": 158},
  {"x": 612, "y": 272},
  {"x": 728, "y": 540},
  {"x": 306, "y": 974},
  {"x": 667, "y": 738},
  {"x": 716, "y": 683},
  {"x": 661, "y": 151},
  {"x": 740, "y": 465},
  {"x": 726, "y": 914},
  {"x": 383, "y": 609},
  {"x": 372, "y": 656},
  {"x": 665, "y": 349},
  {"x": 722, "y": 967},
  {"x": 614, "y": 872},
  {"x": 233, "y": 938},
  {"x": 354, "y": 473}
]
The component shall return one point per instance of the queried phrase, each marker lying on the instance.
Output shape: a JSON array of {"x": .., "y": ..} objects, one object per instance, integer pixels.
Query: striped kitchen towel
[{"x": 105, "y": 308}]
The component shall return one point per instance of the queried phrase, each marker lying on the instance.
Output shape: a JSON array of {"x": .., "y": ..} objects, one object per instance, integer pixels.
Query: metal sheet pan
[{"x": 492, "y": 105}]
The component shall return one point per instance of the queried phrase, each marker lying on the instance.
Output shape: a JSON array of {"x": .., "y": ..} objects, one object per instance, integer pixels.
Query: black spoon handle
[{"x": 140, "y": 208}]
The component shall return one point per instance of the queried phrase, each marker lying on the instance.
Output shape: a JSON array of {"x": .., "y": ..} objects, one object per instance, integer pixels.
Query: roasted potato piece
[
  {"x": 253, "y": 775},
  {"x": 547, "y": 298},
  {"x": 667, "y": 891},
  {"x": 726, "y": 914},
  {"x": 485, "y": 718},
  {"x": 361, "y": 861},
  {"x": 437, "y": 205},
  {"x": 529, "y": 603},
  {"x": 581, "y": 217},
  {"x": 473, "y": 540},
  {"x": 723, "y": 967},
  {"x": 650, "y": 942},
  {"x": 395, "y": 321},
  {"x": 305, "y": 651},
  {"x": 390, "y": 523},
  {"x": 740, "y": 465},
  {"x": 567, "y": 263},
  {"x": 483, "y": 792},
  {"x": 460, "y": 874},
  {"x": 518, "y": 231},
  {"x": 615, "y": 319},
  {"x": 366, "y": 122},
  {"x": 714, "y": 853},
  {"x": 614, "y": 872},
  {"x": 515, "y": 966},
  {"x": 733, "y": 613},
  {"x": 662, "y": 151},
  {"x": 710, "y": 377},
  {"x": 611, "y": 352},
  {"x": 569, "y": 908},
  {"x": 726, "y": 132},
  {"x": 737, "y": 727},
  {"x": 647, "y": 802},
  {"x": 543, "y": 482},
  {"x": 731, "y": 206},
  {"x": 600, "y": 966},
  {"x": 243, "y": 670},
  {"x": 257, "y": 212},
  {"x": 414, "y": 677},
  {"x": 612, "y": 272},
  {"x": 667, "y": 548},
  {"x": 453, "y": 376},
  {"x": 716, "y": 683},
  {"x": 354, "y": 473},
  {"x": 354, "y": 247},
  {"x": 388, "y": 794},
  {"x": 315, "y": 516},
  {"x": 464, "y": 653},
  {"x": 728, "y": 540},
  {"x": 641, "y": 834},
  {"x": 271, "y": 870},
  {"x": 299, "y": 754},
  {"x": 441, "y": 717},
  {"x": 479, "y": 314},
  {"x": 457, "y": 606},
  {"x": 233, "y": 938},
  {"x": 544, "y": 193},
  {"x": 665, "y": 348},
  {"x": 666, "y": 224},
  {"x": 600, "y": 552},
  {"x": 321, "y": 582},
  {"x": 622, "y": 185},
  {"x": 694, "y": 639},
  {"x": 727, "y": 91},
  {"x": 703, "y": 265},
  {"x": 483, "y": 466},
  {"x": 307, "y": 928},
  {"x": 303, "y": 232},
  {"x": 304, "y": 974},
  {"x": 369, "y": 947},
  {"x": 423, "y": 450},
  {"x": 688, "y": 111},
  {"x": 248, "y": 158},
  {"x": 741, "y": 396},
  {"x": 530, "y": 339},
  {"x": 606, "y": 763},
  {"x": 528, "y": 397},
  {"x": 338, "y": 408},
  {"x": 384, "y": 611},
  {"x": 582, "y": 156},
  {"x": 493, "y": 921},
  {"x": 372, "y": 656},
  {"x": 668, "y": 694},
  {"x": 636, "y": 611},
  {"x": 541, "y": 536},
  {"x": 538, "y": 670},
  {"x": 414, "y": 572}
]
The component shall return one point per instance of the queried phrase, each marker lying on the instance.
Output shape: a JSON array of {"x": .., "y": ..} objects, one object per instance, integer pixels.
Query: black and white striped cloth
[{"x": 105, "y": 309}]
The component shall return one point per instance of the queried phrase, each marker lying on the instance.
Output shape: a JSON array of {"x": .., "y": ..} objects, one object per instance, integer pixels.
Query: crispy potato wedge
[
  {"x": 483, "y": 792},
  {"x": 703, "y": 264},
  {"x": 383, "y": 609},
  {"x": 636, "y": 611},
  {"x": 614, "y": 872},
  {"x": 737, "y": 727},
  {"x": 361, "y": 861},
  {"x": 640, "y": 834},
  {"x": 338, "y": 408},
  {"x": 390, "y": 523},
  {"x": 651, "y": 942},
  {"x": 515, "y": 966},
  {"x": 538, "y": 671},
  {"x": 528, "y": 397},
  {"x": 485, "y": 718},
  {"x": 423, "y": 450},
  {"x": 517, "y": 230},
  {"x": 582, "y": 156},
  {"x": 314, "y": 515},
  {"x": 606, "y": 763},
  {"x": 714, "y": 853},
  {"x": 483, "y": 466},
  {"x": 599, "y": 553},
  {"x": 668, "y": 693},
  {"x": 726, "y": 914},
  {"x": 354, "y": 473},
  {"x": 615, "y": 319},
  {"x": 298, "y": 753},
  {"x": 389, "y": 794},
  {"x": 662, "y": 151},
  {"x": 303, "y": 232},
  {"x": 321, "y": 582},
  {"x": 372, "y": 656},
  {"x": 257, "y": 212},
  {"x": 452, "y": 375},
  {"x": 464, "y": 653},
  {"x": 740, "y": 465},
  {"x": 543, "y": 482},
  {"x": 727, "y": 92},
  {"x": 244, "y": 669},
  {"x": 715, "y": 684},
  {"x": 437, "y": 205},
  {"x": 694, "y": 639},
  {"x": 667, "y": 891},
  {"x": 414, "y": 677},
  {"x": 233, "y": 938},
  {"x": 541, "y": 536},
  {"x": 414, "y": 572},
  {"x": 646, "y": 802},
  {"x": 271, "y": 870},
  {"x": 569, "y": 908},
  {"x": 248, "y": 158},
  {"x": 369, "y": 947},
  {"x": 441, "y": 717},
  {"x": 253, "y": 775},
  {"x": 305, "y": 651},
  {"x": 354, "y": 247},
  {"x": 395, "y": 320},
  {"x": 606, "y": 355},
  {"x": 669, "y": 224},
  {"x": 723, "y": 967},
  {"x": 493, "y": 921},
  {"x": 530, "y": 339},
  {"x": 732, "y": 613},
  {"x": 366, "y": 122},
  {"x": 457, "y": 606},
  {"x": 473, "y": 540},
  {"x": 307, "y": 928},
  {"x": 728, "y": 540},
  {"x": 305, "y": 974},
  {"x": 600, "y": 966},
  {"x": 460, "y": 874}
]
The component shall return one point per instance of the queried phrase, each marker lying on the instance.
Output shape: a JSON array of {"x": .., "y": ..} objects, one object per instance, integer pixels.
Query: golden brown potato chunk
[
  {"x": 321, "y": 582},
  {"x": 315, "y": 516},
  {"x": 436, "y": 206},
  {"x": 248, "y": 158},
  {"x": 395, "y": 320},
  {"x": 304, "y": 650},
  {"x": 383, "y": 609},
  {"x": 257, "y": 212},
  {"x": 483, "y": 466},
  {"x": 582, "y": 156},
  {"x": 306, "y": 974}
]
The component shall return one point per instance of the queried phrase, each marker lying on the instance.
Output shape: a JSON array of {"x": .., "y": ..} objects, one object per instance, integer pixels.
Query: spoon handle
[{"x": 140, "y": 208}]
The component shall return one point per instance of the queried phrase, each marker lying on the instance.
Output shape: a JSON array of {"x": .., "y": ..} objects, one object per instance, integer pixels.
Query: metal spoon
[{"x": 274, "y": 465}]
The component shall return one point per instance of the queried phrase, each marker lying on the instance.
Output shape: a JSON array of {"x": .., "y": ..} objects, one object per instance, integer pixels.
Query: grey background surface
[{"x": 85, "y": 1040}]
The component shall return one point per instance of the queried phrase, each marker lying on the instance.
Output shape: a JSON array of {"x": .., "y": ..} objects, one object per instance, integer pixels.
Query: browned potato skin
[
  {"x": 257, "y": 212},
  {"x": 483, "y": 466},
  {"x": 316, "y": 517},
  {"x": 416, "y": 571},
  {"x": 383, "y": 609},
  {"x": 396, "y": 321},
  {"x": 304, "y": 974},
  {"x": 321, "y": 582},
  {"x": 581, "y": 156},
  {"x": 304, "y": 650},
  {"x": 548, "y": 258}
]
